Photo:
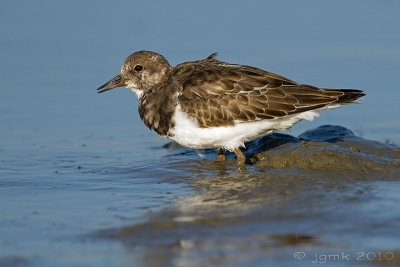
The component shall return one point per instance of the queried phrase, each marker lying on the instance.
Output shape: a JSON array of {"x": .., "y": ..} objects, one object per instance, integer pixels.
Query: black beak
[{"x": 115, "y": 82}]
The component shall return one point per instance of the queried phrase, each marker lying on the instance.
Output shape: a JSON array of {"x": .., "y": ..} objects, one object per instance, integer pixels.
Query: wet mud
[{"x": 299, "y": 199}]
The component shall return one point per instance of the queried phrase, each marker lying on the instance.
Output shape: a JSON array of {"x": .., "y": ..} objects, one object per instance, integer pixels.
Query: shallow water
[
  {"x": 84, "y": 183},
  {"x": 326, "y": 192},
  {"x": 331, "y": 197}
]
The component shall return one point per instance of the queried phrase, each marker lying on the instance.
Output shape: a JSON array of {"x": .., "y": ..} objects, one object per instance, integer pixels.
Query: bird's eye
[{"x": 138, "y": 67}]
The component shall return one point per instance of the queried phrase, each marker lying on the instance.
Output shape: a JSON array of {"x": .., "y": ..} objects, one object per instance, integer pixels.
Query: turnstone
[{"x": 213, "y": 104}]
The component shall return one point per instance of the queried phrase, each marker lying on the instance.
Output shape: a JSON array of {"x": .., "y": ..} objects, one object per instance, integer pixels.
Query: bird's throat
[{"x": 139, "y": 93}]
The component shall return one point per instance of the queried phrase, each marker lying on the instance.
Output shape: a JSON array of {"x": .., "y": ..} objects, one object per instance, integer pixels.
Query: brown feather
[{"x": 222, "y": 94}]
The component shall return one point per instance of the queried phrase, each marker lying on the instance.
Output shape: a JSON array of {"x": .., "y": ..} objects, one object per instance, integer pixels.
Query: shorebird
[{"x": 213, "y": 104}]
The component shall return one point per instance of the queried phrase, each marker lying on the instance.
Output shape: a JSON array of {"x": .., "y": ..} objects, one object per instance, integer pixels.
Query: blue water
[{"x": 73, "y": 162}]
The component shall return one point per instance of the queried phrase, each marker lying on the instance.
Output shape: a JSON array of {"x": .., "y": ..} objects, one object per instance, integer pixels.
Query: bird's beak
[{"x": 115, "y": 82}]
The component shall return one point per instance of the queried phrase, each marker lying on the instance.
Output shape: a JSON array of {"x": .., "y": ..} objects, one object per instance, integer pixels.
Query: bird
[{"x": 211, "y": 104}]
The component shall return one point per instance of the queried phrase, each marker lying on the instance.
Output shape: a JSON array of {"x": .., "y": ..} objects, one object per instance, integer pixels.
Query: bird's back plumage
[{"x": 221, "y": 94}]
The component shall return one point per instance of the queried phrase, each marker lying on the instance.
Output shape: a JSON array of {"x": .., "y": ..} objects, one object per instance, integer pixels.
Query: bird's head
[{"x": 140, "y": 71}]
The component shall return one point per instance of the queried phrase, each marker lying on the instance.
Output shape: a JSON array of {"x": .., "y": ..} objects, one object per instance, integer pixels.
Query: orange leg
[
  {"x": 221, "y": 155},
  {"x": 241, "y": 158}
]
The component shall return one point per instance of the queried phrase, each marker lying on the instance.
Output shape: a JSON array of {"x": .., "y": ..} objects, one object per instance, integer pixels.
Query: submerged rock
[{"x": 328, "y": 148}]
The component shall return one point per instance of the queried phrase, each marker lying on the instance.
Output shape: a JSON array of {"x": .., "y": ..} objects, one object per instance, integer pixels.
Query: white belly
[{"x": 187, "y": 132}]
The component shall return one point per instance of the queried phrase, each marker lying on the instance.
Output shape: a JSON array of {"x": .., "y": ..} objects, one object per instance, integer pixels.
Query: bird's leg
[
  {"x": 221, "y": 155},
  {"x": 241, "y": 158}
]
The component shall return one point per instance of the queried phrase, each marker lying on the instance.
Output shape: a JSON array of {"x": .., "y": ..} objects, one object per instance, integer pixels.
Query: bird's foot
[
  {"x": 221, "y": 158},
  {"x": 241, "y": 158},
  {"x": 221, "y": 155}
]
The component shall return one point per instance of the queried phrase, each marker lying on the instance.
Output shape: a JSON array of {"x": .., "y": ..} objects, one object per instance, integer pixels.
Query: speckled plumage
[{"x": 211, "y": 94}]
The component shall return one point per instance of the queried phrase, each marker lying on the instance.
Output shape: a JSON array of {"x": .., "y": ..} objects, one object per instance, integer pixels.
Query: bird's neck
[{"x": 156, "y": 109}]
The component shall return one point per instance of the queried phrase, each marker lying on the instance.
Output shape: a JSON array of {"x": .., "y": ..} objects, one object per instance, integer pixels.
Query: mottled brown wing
[{"x": 217, "y": 93}]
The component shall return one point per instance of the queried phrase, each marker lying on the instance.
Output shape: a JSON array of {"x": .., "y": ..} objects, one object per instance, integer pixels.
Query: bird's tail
[{"x": 346, "y": 96}]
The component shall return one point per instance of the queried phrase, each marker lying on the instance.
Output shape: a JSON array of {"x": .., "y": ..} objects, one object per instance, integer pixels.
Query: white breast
[{"x": 187, "y": 132}]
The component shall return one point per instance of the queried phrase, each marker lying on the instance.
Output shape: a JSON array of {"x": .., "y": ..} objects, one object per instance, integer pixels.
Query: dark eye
[{"x": 138, "y": 67}]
